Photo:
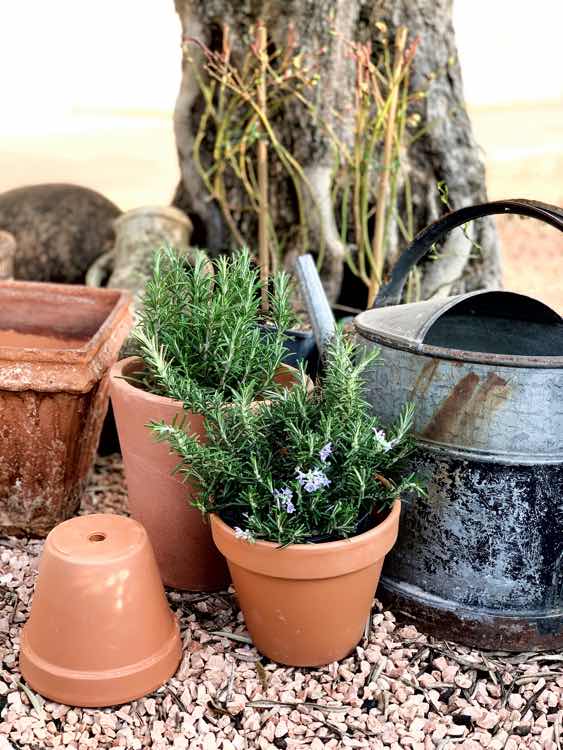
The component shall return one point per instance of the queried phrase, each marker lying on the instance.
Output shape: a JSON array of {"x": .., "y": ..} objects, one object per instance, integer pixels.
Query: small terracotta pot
[
  {"x": 100, "y": 631},
  {"x": 307, "y": 604},
  {"x": 185, "y": 553}
]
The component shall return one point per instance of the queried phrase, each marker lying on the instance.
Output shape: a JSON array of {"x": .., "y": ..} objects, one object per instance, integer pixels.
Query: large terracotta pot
[
  {"x": 306, "y": 605},
  {"x": 184, "y": 549},
  {"x": 57, "y": 343},
  {"x": 186, "y": 555},
  {"x": 100, "y": 630}
]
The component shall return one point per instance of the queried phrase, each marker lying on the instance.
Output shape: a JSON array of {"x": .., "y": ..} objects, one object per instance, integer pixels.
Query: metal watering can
[{"x": 480, "y": 560}]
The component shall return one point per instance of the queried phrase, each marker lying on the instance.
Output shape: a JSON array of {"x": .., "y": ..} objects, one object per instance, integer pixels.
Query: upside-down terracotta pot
[
  {"x": 100, "y": 630},
  {"x": 306, "y": 605},
  {"x": 57, "y": 343},
  {"x": 186, "y": 555}
]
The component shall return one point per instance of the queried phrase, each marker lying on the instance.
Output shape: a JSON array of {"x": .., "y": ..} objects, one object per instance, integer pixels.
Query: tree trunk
[{"x": 445, "y": 153}]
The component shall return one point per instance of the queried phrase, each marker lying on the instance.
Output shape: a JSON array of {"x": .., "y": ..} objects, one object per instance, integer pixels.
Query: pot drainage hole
[{"x": 97, "y": 537}]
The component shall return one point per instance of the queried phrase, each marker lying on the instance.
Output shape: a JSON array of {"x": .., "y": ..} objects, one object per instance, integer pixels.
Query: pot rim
[
  {"x": 308, "y": 561},
  {"x": 128, "y": 366},
  {"x": 388, "y": 521},
  {"x": 77, "y": 294},
  {"x": 134, "y": 364},
  {"x": 168, "y": 212}
]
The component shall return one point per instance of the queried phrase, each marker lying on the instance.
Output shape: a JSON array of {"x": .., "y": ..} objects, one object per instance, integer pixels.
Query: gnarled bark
[{"x": 446, "y": 153}]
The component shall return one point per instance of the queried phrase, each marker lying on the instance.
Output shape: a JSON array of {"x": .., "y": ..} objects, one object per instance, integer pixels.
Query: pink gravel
[{"x": 400, "y": 689}]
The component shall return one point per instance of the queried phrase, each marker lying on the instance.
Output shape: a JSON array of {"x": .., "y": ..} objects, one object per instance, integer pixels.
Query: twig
[
  {"x": 378, "y": 236},
  {"x": 224, "y": 695},
  {"x": 231, "y": 636},
  {"x": 306, "y": 704},
  {"x": 533, "y": 698},
  {"x": 175, "y": 697},
  {"x": 263, "y": 252},
  {"x": 35, "y": 700},
  {"x": 535, "y": 677},
  {"x": 377, "y": 670}
]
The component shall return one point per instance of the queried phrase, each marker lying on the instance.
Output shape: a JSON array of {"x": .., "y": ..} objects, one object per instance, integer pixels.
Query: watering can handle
[{"x": 390, "y": 293}]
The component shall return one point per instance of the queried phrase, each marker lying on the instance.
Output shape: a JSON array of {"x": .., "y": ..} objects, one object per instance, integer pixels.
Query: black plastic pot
[{"x": 301, "y": 347}]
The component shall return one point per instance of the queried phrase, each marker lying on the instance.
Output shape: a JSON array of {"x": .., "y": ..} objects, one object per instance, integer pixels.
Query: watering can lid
[{"x": 495, "y": 327}]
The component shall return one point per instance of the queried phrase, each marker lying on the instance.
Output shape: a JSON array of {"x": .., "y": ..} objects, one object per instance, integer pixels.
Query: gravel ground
[{"x": 399, "y": 689}]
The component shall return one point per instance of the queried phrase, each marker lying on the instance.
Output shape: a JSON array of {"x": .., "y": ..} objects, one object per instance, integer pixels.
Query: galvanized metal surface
[
  {"x": 485, "y": 548},
  {"x": 480, "y": 560},
  {"x": 524, "y": 332},
  {"x": 522, "y": 631},
  {"x": 315, "y": 300},
  {"x": 475, "y": 411}
]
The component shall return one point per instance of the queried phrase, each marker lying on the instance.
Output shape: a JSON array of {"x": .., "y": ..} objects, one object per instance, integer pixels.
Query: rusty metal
[{"x": 480, "y": 560}]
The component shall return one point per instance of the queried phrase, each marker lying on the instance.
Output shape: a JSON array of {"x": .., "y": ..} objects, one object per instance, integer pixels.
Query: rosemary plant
[
  {"x": 303, "y": 466},
  {"x": 199, "y": 329}
]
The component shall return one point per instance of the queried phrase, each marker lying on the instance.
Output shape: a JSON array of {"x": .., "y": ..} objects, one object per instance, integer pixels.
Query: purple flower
[
  {"x": 284, "y": 499},
  {"x": 312, "y": 480},
  {"x": 326, "y": 451}
]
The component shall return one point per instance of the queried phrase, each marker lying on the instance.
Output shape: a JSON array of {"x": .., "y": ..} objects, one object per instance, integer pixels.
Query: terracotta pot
[
  {"x": 57, "y": 343},
  {"x": 100, "y": 630},
  {"x": 186, "y": 555},
  {"x": 184, "y": 549},
  {"x": 307, "y": 604}
]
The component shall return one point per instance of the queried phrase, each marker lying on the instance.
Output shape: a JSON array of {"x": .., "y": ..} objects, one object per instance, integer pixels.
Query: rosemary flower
[
  {"x": 381, "y": 439},
  {"x": 312, "y": 480},
  {"x": 243, "y": 534},
  {"x": 284, "y": 499},
  {"x": 325, "y": 452}
]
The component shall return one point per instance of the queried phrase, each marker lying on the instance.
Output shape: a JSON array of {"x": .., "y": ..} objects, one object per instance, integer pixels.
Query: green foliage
[
  {"x": 199, "y": 333},
  {"x": 302, "y": 466}
]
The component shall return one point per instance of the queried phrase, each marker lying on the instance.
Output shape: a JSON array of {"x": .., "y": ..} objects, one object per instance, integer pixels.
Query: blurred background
[{"x": 88, "y": 98}]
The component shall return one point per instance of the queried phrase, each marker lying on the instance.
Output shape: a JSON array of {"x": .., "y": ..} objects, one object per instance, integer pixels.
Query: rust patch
[
  {"x": 468, "y": 409},
  {"x": 425, "y": 377},
  {"x": 476, "y": 415},
  {"x": 446, "y": 420},
  {"x": 474, "y": 628}
]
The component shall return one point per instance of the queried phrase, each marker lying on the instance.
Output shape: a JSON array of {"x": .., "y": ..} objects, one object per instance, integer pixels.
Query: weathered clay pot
[
  {"x": 185, "y": 553},
  {"x": 138, "y": 234},
  {"x": 307, "y": 604},
  {"x": 100, "y": 630},
  {"x": 57, "y": 344},
  {"x": 60, "y": 230}
]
